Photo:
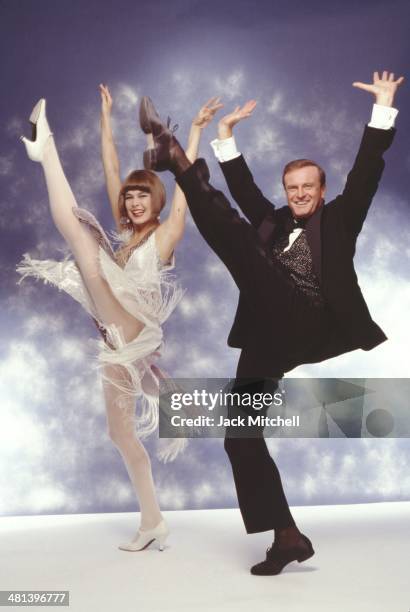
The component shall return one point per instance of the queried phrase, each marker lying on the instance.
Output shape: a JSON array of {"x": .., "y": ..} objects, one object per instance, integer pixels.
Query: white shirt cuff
[
  {"x": 225, "y": 149},
  {"x": 383, "y": 117}
]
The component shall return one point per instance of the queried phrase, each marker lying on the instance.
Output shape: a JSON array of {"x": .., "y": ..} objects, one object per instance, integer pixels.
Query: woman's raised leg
[{"x": 83, "y": 246}]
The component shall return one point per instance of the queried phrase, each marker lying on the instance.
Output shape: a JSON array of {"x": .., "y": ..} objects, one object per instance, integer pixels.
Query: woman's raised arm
[
  {"x": 109, "y": 154},
  {"x": 171, "y": 230}
]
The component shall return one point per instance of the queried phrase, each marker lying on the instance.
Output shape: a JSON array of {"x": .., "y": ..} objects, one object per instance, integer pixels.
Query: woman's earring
[{"x": 125, "y": 220}]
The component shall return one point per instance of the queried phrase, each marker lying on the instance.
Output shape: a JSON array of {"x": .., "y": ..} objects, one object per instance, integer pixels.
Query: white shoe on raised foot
[
  {"x": 145, "y": 537},
  {"x": 40, "y": 132}
]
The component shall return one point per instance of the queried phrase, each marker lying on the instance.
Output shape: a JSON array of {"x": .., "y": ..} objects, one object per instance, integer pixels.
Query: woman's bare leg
[
  {"x": 121, "y": 429},
  {"x": 83, "y": 246}
]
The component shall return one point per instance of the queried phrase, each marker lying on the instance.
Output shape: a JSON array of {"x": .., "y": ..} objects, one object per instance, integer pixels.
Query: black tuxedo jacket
[{"x": 331, "y": 233}]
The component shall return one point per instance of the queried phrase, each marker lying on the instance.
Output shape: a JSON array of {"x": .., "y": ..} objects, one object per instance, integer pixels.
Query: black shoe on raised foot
[
  {"x": 150, "y": 121},
  {"x": 277, "y": 558},
  {"x": 167, "y": 153}
]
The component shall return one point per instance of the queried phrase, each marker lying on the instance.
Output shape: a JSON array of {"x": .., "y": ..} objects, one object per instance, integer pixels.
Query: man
[{"x": 299, "y": 297}]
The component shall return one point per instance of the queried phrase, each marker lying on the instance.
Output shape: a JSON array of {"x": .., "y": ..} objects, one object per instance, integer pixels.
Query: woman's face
[{"x": 139, "y": 206}]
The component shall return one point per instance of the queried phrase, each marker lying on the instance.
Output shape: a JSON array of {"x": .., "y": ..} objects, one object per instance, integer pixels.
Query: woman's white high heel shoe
[
  {"x": 144, "y": 538},
  {"x": 40, "y": 132}
]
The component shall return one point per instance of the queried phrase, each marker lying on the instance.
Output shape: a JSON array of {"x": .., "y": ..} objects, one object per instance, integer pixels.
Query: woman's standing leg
[{"x": 121, "y": 429}]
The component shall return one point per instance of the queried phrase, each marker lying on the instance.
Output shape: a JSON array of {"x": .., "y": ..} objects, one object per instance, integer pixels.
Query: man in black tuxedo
[{"x": 299, "y": 301}]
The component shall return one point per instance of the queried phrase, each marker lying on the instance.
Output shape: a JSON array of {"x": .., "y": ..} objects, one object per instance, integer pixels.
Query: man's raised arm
[
  {"x": 363, "y": 179},
  {"x": 238, "y": 177}
]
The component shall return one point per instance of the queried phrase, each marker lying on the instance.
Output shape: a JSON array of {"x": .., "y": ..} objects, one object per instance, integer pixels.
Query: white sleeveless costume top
[{"x": 148, "y": 291}]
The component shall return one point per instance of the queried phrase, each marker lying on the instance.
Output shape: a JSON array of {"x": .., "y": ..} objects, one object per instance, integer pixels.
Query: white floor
[{"x": 361, "y": 562}]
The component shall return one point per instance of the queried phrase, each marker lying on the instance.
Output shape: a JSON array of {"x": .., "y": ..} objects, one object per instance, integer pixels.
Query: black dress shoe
[
  {"x": 150, "y": 121},
  {"x": 167, "y": 153},
  {"x": 277, "y": 558}
]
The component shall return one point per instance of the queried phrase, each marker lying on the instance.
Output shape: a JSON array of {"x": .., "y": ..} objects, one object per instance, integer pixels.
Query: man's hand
[
  {"x": 106, "y": 100},
  {"x": 207, "y": 112},
  {"x": 226, "y": 124},
  {"x": 383, "y": 88}
]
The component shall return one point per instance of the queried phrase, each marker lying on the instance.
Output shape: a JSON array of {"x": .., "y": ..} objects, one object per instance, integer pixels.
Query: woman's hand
[
  {"x": 384, "y": 88},
  {"x": 106, "y": 100},
  {"x": 207, "y": 112},
  {"x": 227, "y": 122}
]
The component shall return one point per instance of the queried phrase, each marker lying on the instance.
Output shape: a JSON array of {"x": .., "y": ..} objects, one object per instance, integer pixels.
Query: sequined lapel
[{"x": 313, "y": 237}]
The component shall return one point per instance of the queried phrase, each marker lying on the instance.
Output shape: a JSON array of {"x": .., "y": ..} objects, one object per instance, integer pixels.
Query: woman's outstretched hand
[
  {"x": 227, "y": 122},
  {"x": 384, "y": 88},
  {"x": 106, "y": 100},
  {"x": 207, "y": 112}
]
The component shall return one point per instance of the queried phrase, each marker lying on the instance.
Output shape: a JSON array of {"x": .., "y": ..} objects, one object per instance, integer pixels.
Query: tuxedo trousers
[
  {"x": 270, "y": 296},
  {"x": 261, "y": 498}
]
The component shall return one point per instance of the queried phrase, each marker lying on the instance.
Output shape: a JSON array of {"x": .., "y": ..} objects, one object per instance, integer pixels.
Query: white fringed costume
[{"x": 147, "y": 290}]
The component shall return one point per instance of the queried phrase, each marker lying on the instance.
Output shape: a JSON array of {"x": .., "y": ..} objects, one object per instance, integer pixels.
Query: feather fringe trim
[
  {"x": 139, "y": 382},
  {"x": 64, "y": 275},
  {"x": 153, "y": 299}
]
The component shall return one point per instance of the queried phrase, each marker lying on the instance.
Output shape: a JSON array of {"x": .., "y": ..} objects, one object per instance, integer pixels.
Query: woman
[{"x": 129, "y": 293}]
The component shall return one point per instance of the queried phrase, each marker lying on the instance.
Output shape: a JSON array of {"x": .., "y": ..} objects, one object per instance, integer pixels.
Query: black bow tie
[{"x": 292, "y": 224}]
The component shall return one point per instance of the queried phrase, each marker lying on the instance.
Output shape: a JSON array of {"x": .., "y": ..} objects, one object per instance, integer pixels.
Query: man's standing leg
[{"x": 261, "y": 497}]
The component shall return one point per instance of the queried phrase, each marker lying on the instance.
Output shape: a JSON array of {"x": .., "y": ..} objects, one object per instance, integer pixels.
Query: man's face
[{"x": 303, "y": 191}]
